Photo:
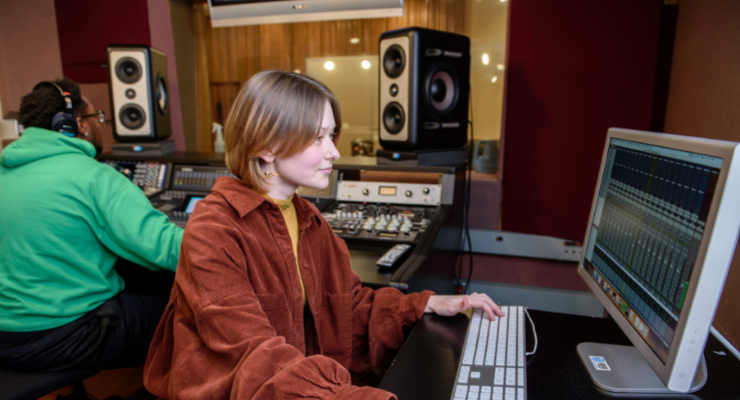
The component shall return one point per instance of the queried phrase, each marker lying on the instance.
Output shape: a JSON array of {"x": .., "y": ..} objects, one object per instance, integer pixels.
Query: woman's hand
[{"x": 451, "y": 305}]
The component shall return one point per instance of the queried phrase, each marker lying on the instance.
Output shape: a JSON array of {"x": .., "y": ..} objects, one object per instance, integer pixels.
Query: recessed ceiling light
[
  {"x": 365, "y": 64},
  {"x": 485, "y": 59},
  {"x": 329, "y": 65},
  {"x": 494, "y": 79},
  {"x": 354, "y": 40},
  {"x": 500, "y": 67},
  {"x": 298, "y": 71}
]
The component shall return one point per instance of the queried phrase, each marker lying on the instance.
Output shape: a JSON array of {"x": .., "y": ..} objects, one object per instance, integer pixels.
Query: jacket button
[
  {"x": 305, "y": 266},
  {"x": 316, "y": 313}
]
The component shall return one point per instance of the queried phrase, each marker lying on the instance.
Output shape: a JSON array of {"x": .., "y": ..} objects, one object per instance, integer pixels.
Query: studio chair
[{"x": 32, "y": 385}]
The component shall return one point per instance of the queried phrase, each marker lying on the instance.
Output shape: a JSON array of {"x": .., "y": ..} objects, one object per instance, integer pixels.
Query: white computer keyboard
[{"x": 493, "y": 366}]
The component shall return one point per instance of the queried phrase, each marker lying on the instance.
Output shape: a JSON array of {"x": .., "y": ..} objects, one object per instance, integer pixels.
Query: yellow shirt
[{"x": 291, "y": 221}]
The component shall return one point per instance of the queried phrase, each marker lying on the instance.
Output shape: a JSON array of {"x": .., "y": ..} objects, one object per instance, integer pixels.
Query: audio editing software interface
[{"x": 648, "y": 224}]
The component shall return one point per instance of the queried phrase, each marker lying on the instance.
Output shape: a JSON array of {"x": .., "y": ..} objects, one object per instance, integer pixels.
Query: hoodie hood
[{"x": 37, "y": 143}]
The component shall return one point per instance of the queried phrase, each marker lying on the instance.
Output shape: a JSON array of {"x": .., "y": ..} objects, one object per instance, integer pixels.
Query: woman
[{"x": 265, "y": 304}]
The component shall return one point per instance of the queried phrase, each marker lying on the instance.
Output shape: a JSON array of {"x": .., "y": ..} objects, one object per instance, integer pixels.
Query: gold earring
[{"x": 269, "y": 173}]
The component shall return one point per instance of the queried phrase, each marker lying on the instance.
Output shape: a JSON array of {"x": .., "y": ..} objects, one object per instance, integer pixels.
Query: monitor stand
[{"x": 630, "y": 372}]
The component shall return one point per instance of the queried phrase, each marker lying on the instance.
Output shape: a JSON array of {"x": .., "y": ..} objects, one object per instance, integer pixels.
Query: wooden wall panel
[
  {"x": 236, "y": 53},
  {"x": 703, "y": 101}
]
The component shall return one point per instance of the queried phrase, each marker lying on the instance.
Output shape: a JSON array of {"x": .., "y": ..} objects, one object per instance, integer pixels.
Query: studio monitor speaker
[
  {"x": 138, "y": 93},
  {"x": 424, "y": 87}
]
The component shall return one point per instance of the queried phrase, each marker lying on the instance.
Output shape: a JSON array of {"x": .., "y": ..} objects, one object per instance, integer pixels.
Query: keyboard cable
[{"x": 529, "y": 353}]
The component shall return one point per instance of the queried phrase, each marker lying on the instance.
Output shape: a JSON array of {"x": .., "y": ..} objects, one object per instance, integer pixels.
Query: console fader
[
  {"x": 396, "y": 223},
  {"x": 189, "y": 185}
]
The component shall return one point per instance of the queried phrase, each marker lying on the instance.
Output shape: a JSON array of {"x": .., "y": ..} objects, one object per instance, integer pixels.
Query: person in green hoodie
[{"x": 65, "y": 219}]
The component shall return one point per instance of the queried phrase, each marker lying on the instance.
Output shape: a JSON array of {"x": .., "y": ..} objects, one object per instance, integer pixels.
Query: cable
[
  {"x": 466, "y": 209},
  {"x": 529, "y": 353}
]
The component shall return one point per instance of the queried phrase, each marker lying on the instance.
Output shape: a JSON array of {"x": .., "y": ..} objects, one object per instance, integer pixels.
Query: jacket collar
[{"x": 245, "y": 200}]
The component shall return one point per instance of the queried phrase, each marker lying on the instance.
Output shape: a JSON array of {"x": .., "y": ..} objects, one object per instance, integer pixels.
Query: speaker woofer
[
  {"x": 441, "y": 90},
  {"x": 161, "y": 93},
  {"x": 394, "y": 118},
  {"x": 128, "y": 70},
  {"x": 394, "y": 61},
  {"x": 132, "y": 116}
]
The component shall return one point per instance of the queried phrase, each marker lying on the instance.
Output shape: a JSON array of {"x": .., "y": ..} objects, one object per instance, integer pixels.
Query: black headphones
[{"x": 63, "y": 122}]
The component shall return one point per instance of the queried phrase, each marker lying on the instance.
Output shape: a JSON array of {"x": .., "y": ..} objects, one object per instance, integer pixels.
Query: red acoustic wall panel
[
  {"x": 87, "y": 27},
  {"x": 575, "y": 68}
]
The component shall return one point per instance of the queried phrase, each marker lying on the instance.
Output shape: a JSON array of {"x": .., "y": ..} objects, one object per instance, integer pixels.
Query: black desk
[{"x": 426, "y": 365}]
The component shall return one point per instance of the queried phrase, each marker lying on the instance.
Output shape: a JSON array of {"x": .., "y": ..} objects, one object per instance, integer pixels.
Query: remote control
[{"x": 391, "y": 257}]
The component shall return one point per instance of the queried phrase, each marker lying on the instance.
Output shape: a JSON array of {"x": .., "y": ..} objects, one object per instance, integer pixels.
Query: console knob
[
  {"x": 425, "y": 190},
  {"x": 365, "y": 192},
  {"x": 409, "y": 193}
]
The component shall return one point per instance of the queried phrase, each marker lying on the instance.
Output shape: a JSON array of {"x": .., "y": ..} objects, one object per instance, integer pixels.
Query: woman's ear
[{"x": 267, "y": 157}]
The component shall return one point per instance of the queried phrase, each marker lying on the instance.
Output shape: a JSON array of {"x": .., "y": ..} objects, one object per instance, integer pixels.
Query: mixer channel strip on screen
[
  {"x": 493, "y": 366},
  {"x": 198, "y": 177}
]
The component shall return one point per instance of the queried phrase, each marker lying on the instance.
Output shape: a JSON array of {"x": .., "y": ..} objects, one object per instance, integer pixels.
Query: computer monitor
[{"x": 662, "y": 233}]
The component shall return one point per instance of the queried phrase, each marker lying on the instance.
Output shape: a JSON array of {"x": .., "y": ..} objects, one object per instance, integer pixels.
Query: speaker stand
[
  {"x": 160, "y": 148},
  {"x": 420, "y": 158}
]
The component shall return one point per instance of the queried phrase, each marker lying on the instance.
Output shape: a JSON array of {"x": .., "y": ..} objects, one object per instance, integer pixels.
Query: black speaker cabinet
[
  {"x": 138, "y": 93},
  {"x": 424, "y": 87}
]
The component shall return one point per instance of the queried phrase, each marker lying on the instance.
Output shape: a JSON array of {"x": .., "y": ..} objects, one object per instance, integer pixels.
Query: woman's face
[{"x": 310, "y": 167}]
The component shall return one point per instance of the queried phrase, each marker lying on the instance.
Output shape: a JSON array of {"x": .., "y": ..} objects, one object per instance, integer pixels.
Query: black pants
[{"x": 114, "y": 335}]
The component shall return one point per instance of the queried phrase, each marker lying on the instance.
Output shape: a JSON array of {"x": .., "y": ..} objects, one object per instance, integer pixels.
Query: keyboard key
[
  {"x": 498, "y": 390},
  {"x": 510, "y": 390},
  {"x": 485, "y": 396},
  {"x": 498, "y": 396},
  {"x": 473, "y": 396},
  {"x": 498, "y": 381},
  {"x": 475, "y": 374},
  {"x": 485, "y": 389},
  {"x": 510, "y": 397},
  {"x": 461, "y": 391},
  {"x": 473, "y": 388}
]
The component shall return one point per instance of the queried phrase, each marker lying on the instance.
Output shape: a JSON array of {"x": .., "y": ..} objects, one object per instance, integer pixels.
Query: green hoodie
[{"x": 65, "y": 218}]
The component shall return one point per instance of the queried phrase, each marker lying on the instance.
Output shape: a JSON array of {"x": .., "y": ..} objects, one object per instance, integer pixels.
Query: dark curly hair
[{"x": 39, "y": 106}]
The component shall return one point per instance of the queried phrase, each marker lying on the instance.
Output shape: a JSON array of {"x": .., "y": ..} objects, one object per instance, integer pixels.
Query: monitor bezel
[{"x": 684, "y": 354}]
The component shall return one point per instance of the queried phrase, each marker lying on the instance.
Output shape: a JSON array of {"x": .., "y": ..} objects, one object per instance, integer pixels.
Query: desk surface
[{"x": 426, "y": 365}]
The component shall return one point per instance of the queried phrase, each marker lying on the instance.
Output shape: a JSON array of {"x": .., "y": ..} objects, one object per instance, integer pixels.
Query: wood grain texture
[
  {"x": 234, "y": 54},
  {"x": 704, "y": 101}
]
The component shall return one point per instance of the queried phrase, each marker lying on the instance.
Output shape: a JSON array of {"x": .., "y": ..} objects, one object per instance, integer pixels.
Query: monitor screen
[
  {"x": 191, "y": 203},
  {"x": 648, "y": 223}
]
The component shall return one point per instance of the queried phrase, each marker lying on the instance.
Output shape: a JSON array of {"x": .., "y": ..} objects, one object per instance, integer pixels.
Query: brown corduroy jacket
[{"x": 234, "y": 326}]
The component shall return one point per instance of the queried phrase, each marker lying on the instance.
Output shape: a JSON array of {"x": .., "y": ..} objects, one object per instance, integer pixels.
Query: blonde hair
[{"x": 274, "y": 111}]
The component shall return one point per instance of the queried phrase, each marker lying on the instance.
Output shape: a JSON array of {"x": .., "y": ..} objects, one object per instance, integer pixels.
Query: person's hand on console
[{"x": 450, "y": 305}]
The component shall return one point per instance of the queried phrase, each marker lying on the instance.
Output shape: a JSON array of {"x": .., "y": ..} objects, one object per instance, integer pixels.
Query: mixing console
[
  {"x": 177, "y": 204},
  {"x": 146, "y": 175},
  {"x": 396, "y": 223}
]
